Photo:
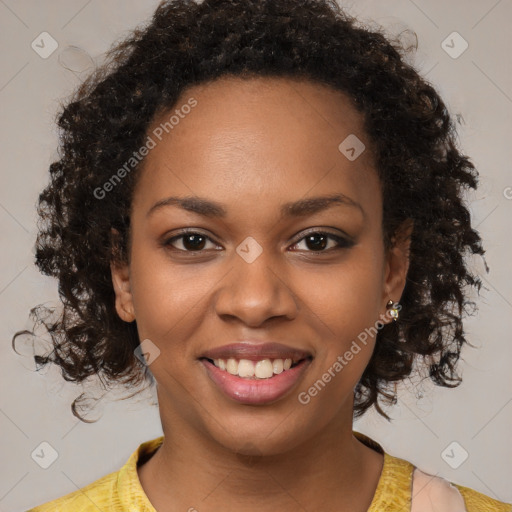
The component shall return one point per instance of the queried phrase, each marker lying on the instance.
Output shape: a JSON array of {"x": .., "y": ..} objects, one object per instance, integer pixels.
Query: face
[{"x": 253, "y": 269}]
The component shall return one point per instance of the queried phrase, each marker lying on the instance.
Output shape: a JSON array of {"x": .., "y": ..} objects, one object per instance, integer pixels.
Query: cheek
[
  {"x": 347, "y": 297},
  {"x": 167, "y": 297},
  {"x": 345, "y": 306}
]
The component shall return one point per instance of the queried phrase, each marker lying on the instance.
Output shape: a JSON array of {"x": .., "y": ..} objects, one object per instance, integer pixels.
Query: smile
[
  {"x": 253, "y": 390},
  {"x": 262, "y": 369},
  {"x": 253, "y": 373}
]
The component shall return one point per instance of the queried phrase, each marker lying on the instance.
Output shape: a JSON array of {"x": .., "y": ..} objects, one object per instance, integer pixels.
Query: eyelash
[{"x": 343, "y": 243}]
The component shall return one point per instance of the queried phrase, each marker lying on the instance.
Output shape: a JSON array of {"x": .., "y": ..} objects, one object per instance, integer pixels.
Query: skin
[{"x": 252, "y": 146}]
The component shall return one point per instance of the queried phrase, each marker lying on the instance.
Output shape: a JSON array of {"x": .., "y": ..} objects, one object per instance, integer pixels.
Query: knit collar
[{"x": 394, "y": 488}]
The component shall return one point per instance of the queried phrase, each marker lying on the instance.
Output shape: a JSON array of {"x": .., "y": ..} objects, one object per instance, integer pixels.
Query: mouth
[
  {"x": 255, "y": 374},
  {"x": 264, "y": 368}
]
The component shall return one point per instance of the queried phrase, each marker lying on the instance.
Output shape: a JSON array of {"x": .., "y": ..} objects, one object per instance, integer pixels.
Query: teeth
[
  {"x": 278, "y": 366},
  {"x": 263, "y": 369},
  {"x": 246, "y": 368},
  {"x": 232, "y": 366}
]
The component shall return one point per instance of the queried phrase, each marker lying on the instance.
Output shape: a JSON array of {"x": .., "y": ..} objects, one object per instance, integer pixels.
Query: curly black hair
[{"x": 422, "y": 172}]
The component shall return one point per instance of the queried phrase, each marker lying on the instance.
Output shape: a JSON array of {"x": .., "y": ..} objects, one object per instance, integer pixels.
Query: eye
[
  {"x": 317, "y": 241},
  {"x": 190, "y": 241}
]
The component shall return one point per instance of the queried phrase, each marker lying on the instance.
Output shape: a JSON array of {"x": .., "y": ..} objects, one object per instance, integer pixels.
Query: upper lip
[{"x": 256, "y": 351}]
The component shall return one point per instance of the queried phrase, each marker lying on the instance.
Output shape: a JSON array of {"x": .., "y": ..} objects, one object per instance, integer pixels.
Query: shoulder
[
  {"x": 429, "y": 491},
  {"x": 91, "y": 498},
  {"x": 118, "y": 491},
  {"x": 404, "y": 485},
  {"x": 476, "y": 501}
]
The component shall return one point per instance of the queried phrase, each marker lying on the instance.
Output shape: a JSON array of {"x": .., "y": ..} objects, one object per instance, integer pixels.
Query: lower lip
[{"x": 256, "y": 391}]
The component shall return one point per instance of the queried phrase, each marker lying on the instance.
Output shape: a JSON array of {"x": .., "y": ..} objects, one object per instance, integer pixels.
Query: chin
[{"x": 256, "y": 438}]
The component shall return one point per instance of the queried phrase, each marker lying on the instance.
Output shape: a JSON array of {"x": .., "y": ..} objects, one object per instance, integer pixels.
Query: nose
[{"x": 255, "y": 292}]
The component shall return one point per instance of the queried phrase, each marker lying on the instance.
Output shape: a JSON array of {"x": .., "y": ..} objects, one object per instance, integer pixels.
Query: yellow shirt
[{"x": 121, "y": 490}]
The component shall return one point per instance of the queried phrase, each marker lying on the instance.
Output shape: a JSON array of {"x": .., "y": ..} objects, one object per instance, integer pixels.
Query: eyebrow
[{"x": 300, "y": 208}]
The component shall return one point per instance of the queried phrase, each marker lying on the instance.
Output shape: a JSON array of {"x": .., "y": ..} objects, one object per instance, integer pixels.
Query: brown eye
[
  {"x": 190, "y": 242},
  {"x": 318, "y": 241}
]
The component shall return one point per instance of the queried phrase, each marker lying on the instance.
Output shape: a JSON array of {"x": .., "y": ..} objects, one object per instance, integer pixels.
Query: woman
[{"x": 259, "y": 207}]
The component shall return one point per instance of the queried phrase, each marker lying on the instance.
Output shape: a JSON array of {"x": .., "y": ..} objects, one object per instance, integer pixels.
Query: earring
[{"x": 394, "y": 310}]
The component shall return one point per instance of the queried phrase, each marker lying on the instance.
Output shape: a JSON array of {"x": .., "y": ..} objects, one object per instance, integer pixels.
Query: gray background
[{"x": 34, "y": 407}]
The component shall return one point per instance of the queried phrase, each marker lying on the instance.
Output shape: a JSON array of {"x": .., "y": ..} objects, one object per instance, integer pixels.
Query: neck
[{"x": 331, "y": 471}]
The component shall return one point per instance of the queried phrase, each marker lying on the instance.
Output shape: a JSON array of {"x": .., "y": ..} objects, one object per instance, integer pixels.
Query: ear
[
  {"x": 397, "y": 263},
  {"x": 121, "y": 281}
]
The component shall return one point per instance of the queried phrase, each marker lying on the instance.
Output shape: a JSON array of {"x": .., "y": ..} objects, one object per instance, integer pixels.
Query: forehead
[{"x": 257, "y": 142}]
